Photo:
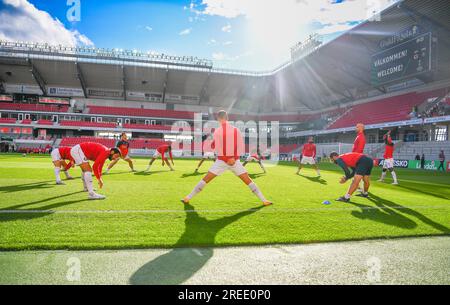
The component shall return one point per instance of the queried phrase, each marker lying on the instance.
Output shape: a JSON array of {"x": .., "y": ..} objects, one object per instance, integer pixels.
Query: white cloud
[
  {"x": 185, "y": 32},
  {"x": 273, "y": 26},
  {"x": 226, "y": 28},
  {"x": 227, "y": 43},
  {"x": 22, "y": 21},
  {"x": 220, "y": 56},
  {"x": 335, "y": 28},
  {"x": 149, "y": 28}
]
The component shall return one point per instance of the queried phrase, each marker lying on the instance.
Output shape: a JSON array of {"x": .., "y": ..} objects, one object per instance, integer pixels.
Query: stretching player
[
  {"x": 359, "y": 144},
  {"x": 85, "y": 152},
  {"x": 58, "y": 157},
  {"x": 257, "y": 158},
  {"x": 123, "y": 145},
  {"x": 229, "y": 146},
  {"x": 361, "y": 166},
  {"x": 388, "y": 163},
  {"x": 208, "y": 153},
  {"x": 161, "y": 151},
  {"x": 309, "y": 156}
]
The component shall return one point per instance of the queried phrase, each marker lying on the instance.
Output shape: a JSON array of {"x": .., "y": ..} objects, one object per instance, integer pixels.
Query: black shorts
[{"x": 364, "y": 166}]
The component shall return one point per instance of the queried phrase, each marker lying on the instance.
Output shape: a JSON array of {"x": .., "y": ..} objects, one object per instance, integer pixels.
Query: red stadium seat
[
  {"x": 88, "y": 124},
  {"x": 390, "y": 109},
  {"x": 141, "y": 112}
]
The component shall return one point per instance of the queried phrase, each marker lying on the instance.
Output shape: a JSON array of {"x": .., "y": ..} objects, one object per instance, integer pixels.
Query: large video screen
[{"x": 407, "y": 59}]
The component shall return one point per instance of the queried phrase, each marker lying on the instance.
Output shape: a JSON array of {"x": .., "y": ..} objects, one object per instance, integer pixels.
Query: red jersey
[
  {"x": 98, "y": 153},
  {"x": 123, "y": 147},
  {"x": 360, "y": 143},
  {"x": 229, "y": 143},
  {"x": 208, "y": 146},
  {"x": 309, "y": 150},
  {"x": 64, "y": 152},
  {"x": 350, "y": 159},
  {"x": 163, "y": 149},
  {"x": 389, "y": 149}
]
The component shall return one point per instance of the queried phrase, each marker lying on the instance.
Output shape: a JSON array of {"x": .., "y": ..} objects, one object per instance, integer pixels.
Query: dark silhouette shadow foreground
[
  {"x": 393, "y": 214},
  {"x": 179, "y": 264},
  {"x": 315, "y": 179}
]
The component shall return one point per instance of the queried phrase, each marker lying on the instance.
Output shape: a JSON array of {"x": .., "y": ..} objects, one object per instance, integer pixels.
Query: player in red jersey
[
  {"x": 59, "y": 155},
  {"x": 208, "y": 152},
  {"x": 257, "y": 158},
  {"x": 360, "y": 140},
  {"x": 388, "y": 162},
  {"x": 229, "y": 146},
  {"x": 123, "y": 145},
  {"x": 85, "y": 152},
  {"x": 359, "y": 144},
  {"x": 161, "y": 151},
  {"x": 309, "y": 152},
  {"x": 361, "y": 166}
]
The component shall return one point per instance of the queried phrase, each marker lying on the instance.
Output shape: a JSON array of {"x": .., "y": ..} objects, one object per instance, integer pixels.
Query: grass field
[{"x": 143, "y": 210}]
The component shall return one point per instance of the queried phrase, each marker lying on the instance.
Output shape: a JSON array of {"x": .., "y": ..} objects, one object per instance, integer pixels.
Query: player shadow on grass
[
  {"x": 256, "y": 176},
  {"x": 420, "y": 189},
  {"x": 194, "y": 174},
  {"x": 26, "y": 187},
  {"x": 179, "y": 264},
  {"x": 388, "y": 212},
  {"x": 143, "y": 173},
  {"x": 41, "y": 211},
  {"x": 315, "y": 179}
]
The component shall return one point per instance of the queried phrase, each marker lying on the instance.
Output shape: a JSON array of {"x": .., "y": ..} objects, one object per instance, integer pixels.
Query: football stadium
[{"x": 126, "y": 166}]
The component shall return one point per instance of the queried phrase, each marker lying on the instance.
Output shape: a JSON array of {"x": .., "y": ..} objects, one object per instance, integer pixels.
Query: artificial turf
[{"x": 144, "y": 210}]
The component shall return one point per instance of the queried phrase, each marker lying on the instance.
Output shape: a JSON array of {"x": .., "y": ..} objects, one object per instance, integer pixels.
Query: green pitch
[{"x": 144, "y": 210}]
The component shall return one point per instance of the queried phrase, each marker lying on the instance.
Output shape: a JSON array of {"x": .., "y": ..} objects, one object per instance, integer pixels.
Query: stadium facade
[{"x": 389, "y": 72}]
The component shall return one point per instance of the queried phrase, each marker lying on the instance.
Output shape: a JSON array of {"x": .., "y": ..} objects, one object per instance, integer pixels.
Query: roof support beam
[
  {"x": 81, "y": 79},
  {"x": 166, "y": 80},
  {"x": 414, "y": 14},
  {"x": 124, "y": 83},
  {"x": 204, "y": 88},
  {"x": 37, "y": 77}
]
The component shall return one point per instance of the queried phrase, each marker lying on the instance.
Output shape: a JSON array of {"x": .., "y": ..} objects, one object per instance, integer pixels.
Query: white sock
[
  {"x": 254, "y": 188},
  {"x": 394, "y": 176},
  {"x": 347, "y": 196},
  {"x": 383, "y": 175},
  {"x": 88, "y": 181},
  {"x": 197, "y": 189},
  {"x": 84, "y": 182},
  {"x": 57, "y": 171},
  {"x": 318, "y": 172},
  {"x": 107, "y": 170},
  {"x": 67, "y": 174}
]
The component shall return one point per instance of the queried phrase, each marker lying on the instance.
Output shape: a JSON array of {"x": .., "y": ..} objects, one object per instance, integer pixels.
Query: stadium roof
[{"x": 338, "y": 71}]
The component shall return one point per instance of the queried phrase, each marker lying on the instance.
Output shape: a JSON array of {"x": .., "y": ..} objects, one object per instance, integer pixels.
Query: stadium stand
[
  {"x": 26, "y": 122},
  {"x": 69, "y": 141},
  {"x": 88, "y": 124},
  {"x": 33, "y": 107},
  {"x": 390, "y": 109},
  {"x": 44, "y": 122},
  {"x": 147, "y": 127},
  {"x": 137, "y": 112},
  {"x": 8, "y": 121}
]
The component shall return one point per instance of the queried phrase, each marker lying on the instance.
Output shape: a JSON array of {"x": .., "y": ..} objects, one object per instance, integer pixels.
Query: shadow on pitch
[
  {"x": 194, "y": 174},
  {"x": 256, "y": 176},
  {"x": 434, "y": 191},
  {"x": 179, "y": 264},
  {"x": 315, "y": 179},
  {"x": 28, "y": 186},
  {"x": 32, "y": 213},
  {"x": 143, "y": 173},
  {"x": 390, "y": 213}
]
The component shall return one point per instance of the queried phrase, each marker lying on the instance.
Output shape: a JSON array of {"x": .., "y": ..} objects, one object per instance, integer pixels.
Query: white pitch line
[{"x": 268, "y": 210}]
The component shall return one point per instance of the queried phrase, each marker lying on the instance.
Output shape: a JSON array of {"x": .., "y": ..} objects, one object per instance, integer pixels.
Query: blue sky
[{"x": 240, "y": 34}]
